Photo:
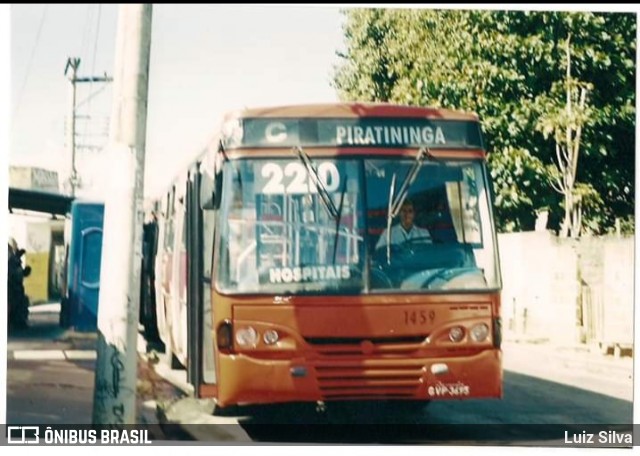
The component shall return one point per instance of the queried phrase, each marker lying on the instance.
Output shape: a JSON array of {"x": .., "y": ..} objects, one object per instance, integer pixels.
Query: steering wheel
[{"x": 380, "y": 279}]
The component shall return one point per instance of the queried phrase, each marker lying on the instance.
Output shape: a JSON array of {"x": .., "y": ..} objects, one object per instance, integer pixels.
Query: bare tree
[{"x": 566, "y": 124}]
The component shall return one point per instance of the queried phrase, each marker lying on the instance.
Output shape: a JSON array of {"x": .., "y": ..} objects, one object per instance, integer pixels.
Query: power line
[
  {"x": 86, "y": 33},
  {"x": 88, "y": 126},
  {"x": 93, "y": 63},
  {"x": 86, "y": 37},
  {"x": 95, "y": 44},
  {"x": 33, "y": 52}
]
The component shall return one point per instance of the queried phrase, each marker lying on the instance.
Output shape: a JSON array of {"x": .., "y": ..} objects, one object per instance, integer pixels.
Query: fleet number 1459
[{"x": 418, "y": 317}]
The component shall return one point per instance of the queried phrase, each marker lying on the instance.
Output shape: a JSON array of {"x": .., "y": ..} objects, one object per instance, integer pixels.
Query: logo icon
[{"x": 21, "y": 435}]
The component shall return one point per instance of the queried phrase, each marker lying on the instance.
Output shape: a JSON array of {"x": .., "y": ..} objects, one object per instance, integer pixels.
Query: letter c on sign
[{"x": 275, "y": 132}]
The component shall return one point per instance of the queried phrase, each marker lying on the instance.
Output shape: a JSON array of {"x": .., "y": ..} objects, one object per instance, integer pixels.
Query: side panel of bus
[
  {"x": 171, "y": 276},
  {"x": 183, "y": 271},
  {"x": 178, "y": 301}
]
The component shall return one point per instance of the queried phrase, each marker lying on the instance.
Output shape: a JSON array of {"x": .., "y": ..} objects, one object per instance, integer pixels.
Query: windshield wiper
[
  {"x": 339, "y": 220},
  {"x": 396, "y": 203},
  {"x": 408, "y": 181},
  {"x": 322, "y": 190},
  {"x": 392, "y": 189}
]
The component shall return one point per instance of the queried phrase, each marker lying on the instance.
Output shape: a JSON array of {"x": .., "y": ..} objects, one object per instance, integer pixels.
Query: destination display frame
[{"x": 353, "y": 132}]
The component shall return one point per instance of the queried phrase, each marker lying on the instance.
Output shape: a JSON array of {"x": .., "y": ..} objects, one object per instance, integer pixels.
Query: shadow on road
[{"x": 533, "y": 412}]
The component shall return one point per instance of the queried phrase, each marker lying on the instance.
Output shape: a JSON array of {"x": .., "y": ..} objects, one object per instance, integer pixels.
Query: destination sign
[{"x": 372, "y": 132}]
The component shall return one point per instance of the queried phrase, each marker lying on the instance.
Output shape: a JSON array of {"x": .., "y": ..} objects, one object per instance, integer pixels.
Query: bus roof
[{"x": 353, "y": 110}]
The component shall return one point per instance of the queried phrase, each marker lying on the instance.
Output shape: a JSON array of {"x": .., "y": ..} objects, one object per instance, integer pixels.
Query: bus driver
[{"x": 405, "y": 230}]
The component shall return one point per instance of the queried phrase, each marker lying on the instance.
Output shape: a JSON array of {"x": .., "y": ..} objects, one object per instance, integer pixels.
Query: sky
[{"x": 205, "y": 60}]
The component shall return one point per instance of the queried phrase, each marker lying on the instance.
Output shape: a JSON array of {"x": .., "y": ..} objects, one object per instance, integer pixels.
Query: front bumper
[{"x": 250, "y": 380}]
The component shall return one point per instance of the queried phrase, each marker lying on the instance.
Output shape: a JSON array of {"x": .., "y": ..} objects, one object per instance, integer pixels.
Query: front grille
[
  {"x": 359, "y": 346},
  {"x": 359, "y": 340},
  {"x": 360, "y": 369},
  {"x": 357, "y": 380}
]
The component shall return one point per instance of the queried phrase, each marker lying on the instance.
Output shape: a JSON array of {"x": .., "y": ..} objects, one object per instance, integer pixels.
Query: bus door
[{"x": 200, "y": 223}]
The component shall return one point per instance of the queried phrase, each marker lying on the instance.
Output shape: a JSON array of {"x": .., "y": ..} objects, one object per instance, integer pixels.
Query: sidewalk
[
  {"x": 576, "y": 365},
  {"x": 572, "y": 355},
  {"x": 51, "y": 371},
  {"x": 154, "y": 394}
]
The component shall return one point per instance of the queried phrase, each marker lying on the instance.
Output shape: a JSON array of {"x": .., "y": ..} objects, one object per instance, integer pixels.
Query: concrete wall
[
  {"x": 30, "y": 177},
  {"x": 567, "y": 290}
]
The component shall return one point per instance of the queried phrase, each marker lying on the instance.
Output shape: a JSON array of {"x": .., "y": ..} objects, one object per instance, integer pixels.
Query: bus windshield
[{"x": 391, "y": 224}]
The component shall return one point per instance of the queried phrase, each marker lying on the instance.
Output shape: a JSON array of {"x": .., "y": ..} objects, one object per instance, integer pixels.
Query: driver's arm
[{"x": 426, "y": 234}]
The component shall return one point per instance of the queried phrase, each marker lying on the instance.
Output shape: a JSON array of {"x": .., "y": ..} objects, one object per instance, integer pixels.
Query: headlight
[
  {"x": 456, "y": 334},
  {"x": 247, "y": 337},
  {"x": 479, "y": 332},
  {"x": 270, "y": 337}
]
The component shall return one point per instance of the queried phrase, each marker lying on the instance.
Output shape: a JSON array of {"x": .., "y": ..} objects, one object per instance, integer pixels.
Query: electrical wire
[
  {"x": 33, "y": 52},
  {"x": 81, "y": 129},
  {"x": 89, "y": 125}
]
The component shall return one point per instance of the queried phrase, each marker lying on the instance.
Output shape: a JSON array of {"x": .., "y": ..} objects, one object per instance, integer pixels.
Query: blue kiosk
[{"x": 80, "y": 304}]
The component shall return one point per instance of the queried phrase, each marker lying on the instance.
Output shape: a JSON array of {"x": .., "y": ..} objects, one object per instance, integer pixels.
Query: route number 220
[{"x": 293, "y": 178}]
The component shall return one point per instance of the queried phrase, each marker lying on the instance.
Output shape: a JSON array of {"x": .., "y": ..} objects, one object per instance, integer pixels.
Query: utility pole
[
  {"x": 116, "y": 367},
  {"x": 72, "y": 68}
]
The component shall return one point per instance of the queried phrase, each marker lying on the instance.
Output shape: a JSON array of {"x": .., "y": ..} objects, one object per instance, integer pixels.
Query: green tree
[{"x": 509, "y": 68}]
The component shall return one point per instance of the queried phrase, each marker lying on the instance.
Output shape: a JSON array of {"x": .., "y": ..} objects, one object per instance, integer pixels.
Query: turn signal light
[{"x": 224, "y": 335}]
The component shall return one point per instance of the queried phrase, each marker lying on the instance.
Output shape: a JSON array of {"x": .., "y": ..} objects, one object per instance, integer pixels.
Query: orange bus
[{"x": 288, "y": 268}]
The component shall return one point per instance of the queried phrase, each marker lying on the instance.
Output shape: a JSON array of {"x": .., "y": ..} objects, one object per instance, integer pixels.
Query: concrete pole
[
  {"x": 116, "y": 367},
  {"x": 72, "y": 64}
]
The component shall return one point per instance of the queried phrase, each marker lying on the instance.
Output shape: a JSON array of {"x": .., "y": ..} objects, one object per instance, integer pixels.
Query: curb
[
  {"x": 195, "y": 417},
  {"x": 181, "y": 414},
  {"x": 176, "y": 406},
  {"x": 576, "y": 356}
]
